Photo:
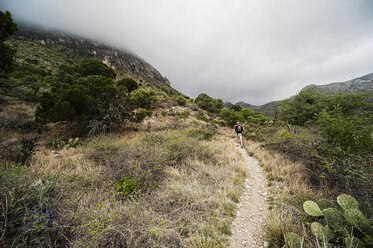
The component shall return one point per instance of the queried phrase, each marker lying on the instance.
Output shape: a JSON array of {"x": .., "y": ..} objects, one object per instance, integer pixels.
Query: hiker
[{"x": 239, "y": 129}]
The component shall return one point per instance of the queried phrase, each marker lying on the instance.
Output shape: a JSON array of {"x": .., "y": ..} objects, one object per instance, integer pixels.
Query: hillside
[
  {"x": 269, "y": 109},
  {"x": 362, "y": 84},
  {"x": 160, "y": 170},
  {"x": 49, "y": 49},
  {"x": 358, "y": 85}
]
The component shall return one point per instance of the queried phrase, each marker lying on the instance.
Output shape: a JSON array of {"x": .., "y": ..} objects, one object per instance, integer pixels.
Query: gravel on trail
[{"x": 248, "y": 229}]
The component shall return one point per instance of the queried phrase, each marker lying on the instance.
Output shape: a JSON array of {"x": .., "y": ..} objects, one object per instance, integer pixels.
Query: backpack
[{"x": 239, "y": 129}]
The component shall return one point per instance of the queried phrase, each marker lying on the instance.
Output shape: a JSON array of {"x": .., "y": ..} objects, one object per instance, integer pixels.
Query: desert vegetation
[
  {"x": 321, "y": 148},
  {"x": 92, "y": 158}
]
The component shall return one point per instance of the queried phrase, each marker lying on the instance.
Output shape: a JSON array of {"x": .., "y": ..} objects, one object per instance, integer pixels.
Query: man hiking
[{"x": 239, "y": 129}]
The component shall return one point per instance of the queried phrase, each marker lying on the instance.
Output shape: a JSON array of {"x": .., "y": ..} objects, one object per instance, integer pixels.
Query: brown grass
[
  {"x": 192, "y": 206},
  {"x": 288, "y": 183}
]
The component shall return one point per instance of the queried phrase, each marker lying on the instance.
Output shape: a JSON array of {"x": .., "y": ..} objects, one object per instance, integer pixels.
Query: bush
[
  {"x": 303, "y": 108},
  {"x": 62, "y": 143},
  {"x": 142, "y": 114},
  {"x": 231, "y": 116},
  {"x": 236, "y": 107},
  {"x": 129, "y": 83},
  {"x": 27, "y": 147},
  {"x": 127, "y": 186},
  {"x": 183, "y": 115},
  {"x": 351, "y": 134},
  {"x": 181, "y": 101},
  {"x": 208, "y": 103},
  {"x": 30, "y": 213},
  {"x": 94, "y": 67},
  {"x": 143, "y": 98},
  {"x": 90, "y": 96}
]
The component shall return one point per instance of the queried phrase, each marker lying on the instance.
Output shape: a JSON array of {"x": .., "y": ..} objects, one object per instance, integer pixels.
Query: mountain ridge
[{"x": 361, "y": 84}]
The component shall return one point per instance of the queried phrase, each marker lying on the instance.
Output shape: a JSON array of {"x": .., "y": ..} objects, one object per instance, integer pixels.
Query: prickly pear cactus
[
  {"x": 321, "y": 232},
  {"x": 347, "y": 202},
  {"x": 356, "y": 218},
  {"x": 353, "y": 242},
  {"x": 311, "y": 208},
  {"x": 293, "y": 240},
  {"x": 324, "y": 204},
  {"x": 334, "y": 219}
]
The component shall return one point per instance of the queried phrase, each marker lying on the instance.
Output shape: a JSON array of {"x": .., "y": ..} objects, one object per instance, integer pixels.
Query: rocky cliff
[{"x": 73, "y": 46}]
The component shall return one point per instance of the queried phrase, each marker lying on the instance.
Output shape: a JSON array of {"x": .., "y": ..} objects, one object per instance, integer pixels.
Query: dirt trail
[{"x": 248, "y": 230}]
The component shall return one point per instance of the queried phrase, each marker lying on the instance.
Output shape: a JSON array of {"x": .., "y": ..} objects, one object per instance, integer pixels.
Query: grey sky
[{"x": 251, "y": 50}]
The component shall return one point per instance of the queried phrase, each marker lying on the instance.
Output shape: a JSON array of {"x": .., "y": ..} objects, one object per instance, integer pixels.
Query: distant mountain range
[{"x": 358, "y": 85}]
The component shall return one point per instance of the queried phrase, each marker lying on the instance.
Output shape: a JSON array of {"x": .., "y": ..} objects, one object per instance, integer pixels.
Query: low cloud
[{"x": 256, "y": 51}]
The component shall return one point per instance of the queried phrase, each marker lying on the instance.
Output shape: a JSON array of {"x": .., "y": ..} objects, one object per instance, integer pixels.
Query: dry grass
[
  {"x": 192, "y": 206},
  {"x": 288, "y": 183}
]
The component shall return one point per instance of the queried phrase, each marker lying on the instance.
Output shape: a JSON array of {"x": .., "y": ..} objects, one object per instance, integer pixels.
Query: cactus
[
  {"x": 321, "y": 232},
  {"x": 356, "y": 218},
  {"x": 347, "y": 202},
  {"x": 294, "y": 240},
  {"x": 324, "y": 204},
  {"x": 334, "y": 219},
  {"x": 353, "y": 242},
  {"x": 311, "y": 208}
]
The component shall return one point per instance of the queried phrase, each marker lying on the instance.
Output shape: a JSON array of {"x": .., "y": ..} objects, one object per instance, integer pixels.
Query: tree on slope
[{"x": 7, "y": 28}]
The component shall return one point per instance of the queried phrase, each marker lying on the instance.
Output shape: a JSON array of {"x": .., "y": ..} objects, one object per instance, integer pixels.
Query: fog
[{"x": 239, "y": 50}]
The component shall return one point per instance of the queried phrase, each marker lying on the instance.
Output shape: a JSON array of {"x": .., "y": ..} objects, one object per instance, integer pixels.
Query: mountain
[
  {"x": 358, "y": 85},
  {"x": 31, "y": 41},
  {"x": 269, "y": 109}
]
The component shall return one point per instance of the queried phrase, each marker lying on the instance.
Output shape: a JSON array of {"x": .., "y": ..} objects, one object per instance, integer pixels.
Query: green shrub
[
  {"x": 129, "y": 83},
  {"x": 142, "y": 98},
  {"x": 181, "y": 101},
  {"x": 27, "y": 147},
  {"x": 62, "y": 143},
  {"x": 208, "y": 103},
  {"x": 90, "y": 67},
  {"x": 201, "y": 116},
  {"x": 142, "y": 114},
  {"x": 127, "y": 186},
  {"x": 183, "y": 115},
  {"x": 88, "y": 94},
  {"x": 351, "y": 134},
  {"x": 30, "y": 210},
  {"x": 206, "y": 133},
  {"x": 8, "y": 28},
  {"x": 236, "y": 107},
  {"x": 231, "y": 116}
]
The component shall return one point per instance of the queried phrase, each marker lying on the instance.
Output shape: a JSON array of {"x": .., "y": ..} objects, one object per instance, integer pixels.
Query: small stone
[{"x": 265, "y": 244}]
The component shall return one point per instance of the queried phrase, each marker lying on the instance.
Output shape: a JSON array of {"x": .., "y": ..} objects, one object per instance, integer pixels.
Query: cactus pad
[
  {"x": 347, "y": 202},
  {"x": 324, "y": 204},
  {"x": 356, "y": 218},
  {"x": 321, "y": 232},
  {"x": 311, "y": 208},
  {"x": 293, "y": 240},
  {"x": 334, "y": 218},
  {"x": 352, "y": 242}
]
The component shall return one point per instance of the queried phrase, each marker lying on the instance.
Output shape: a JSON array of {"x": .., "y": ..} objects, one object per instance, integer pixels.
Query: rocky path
[{"x": 248, "y": 230}]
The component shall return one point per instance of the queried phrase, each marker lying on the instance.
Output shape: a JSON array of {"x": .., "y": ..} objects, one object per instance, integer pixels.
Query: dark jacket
[{"x": 238, "y": 129}]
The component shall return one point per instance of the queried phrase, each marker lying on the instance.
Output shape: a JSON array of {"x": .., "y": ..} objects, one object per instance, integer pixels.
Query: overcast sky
[{"x": 251, "y": 50}]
